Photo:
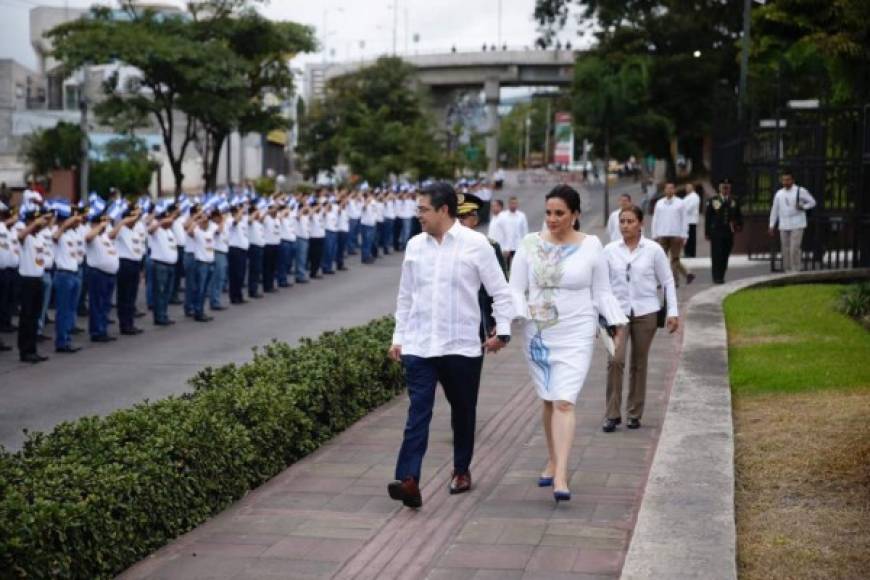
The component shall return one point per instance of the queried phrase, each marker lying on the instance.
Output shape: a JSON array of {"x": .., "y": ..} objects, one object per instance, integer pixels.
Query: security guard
[
  {"x": 468, "y": 212},
  {"x": 722, "y": 219}
]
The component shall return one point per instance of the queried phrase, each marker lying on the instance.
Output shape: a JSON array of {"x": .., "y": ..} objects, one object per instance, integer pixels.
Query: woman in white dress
[{"x": 561, "y": 286}]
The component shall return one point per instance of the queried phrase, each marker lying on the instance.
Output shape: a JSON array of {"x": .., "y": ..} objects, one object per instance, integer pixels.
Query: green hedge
[{"x": 98, "y": 494}]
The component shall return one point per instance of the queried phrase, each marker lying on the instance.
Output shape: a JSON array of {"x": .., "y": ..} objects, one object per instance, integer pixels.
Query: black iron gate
[{"x": 828, "y": 151}]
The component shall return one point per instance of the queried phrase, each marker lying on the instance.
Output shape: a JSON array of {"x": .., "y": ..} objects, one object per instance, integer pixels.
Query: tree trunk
[{"x": 216, "y": 142}]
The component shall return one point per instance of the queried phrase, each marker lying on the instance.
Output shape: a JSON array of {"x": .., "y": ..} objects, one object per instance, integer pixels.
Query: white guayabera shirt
[{"x": 437, "y": 310}]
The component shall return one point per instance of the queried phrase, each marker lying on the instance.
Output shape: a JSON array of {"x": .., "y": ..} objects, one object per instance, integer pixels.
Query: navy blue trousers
[{"x": 460, "y": 378}]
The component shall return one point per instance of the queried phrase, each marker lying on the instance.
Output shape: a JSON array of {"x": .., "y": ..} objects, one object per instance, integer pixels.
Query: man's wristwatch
[{"x": 505, "y": 338}]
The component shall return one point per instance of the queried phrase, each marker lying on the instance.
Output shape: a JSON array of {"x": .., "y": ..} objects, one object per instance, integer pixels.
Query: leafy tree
[
  {"x": 56, "y": 148},
  {"x": 665, "y": 35},
  {"x": 211, "y": 68},
  {"x": 125, "y": 165},
  {"x": 812, "y": 49},
  {"x": 375, "y": 121}
]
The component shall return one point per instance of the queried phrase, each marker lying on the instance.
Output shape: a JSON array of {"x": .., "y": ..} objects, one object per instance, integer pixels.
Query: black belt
[
  {"x": 219, "y": 252},
  {"x": 170, "y": 265},
  {"x": 67, "y": 271}
]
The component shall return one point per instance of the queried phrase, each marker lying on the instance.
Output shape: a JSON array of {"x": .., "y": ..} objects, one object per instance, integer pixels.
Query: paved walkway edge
[{"x": 685, "y": 526}]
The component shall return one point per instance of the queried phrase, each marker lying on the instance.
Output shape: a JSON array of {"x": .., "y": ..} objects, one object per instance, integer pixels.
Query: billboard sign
[{"x": 563, "y": 151}]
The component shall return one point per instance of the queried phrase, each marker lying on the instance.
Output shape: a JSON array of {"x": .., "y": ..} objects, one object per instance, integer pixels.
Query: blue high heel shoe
[
  {"x": 561, "y": 495},
  {"x": 545, "y": 481}
]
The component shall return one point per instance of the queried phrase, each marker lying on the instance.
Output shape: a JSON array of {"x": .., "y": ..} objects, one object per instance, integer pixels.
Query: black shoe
[
  {"x": 298, "y": 281},
  {"x": 111, "y": 321},
  {"x": 330, "y": 273},
  {"x": 167, "y": 322},
  {"x": 103, "y": 338},
  {"x": 139, "y": 314},
  {"x": 68, "y": 349},
  {"x": 203, "y": 318},
  {"x": 189, "y": 314},
  {"x": 76, "y": 330},
  {"x": 609, "y": 425},
  {"x": 633, "y": 423},
  {"x": 33, "y": 358},
  {"x": 269, "y": 291},
  {"x": 131, "y": 331},
  {"x": 342, "y": 269},
  {"x": 176, "y": 302},
  {"x": 257, "y": 296},
  {"x": 41, "y": 338},
  {"x": 690, "y": 278},
  {"x": 218, "y": 307},
  {"x": 49, "y": 320},
  {"x": 285, "y": 285},
  {"x": 5, "y": 347}
]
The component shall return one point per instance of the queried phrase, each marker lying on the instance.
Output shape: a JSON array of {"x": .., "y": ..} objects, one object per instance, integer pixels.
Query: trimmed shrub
[
  {"x": 98, "y": 494},
  {"x": 855, "y": 302}
]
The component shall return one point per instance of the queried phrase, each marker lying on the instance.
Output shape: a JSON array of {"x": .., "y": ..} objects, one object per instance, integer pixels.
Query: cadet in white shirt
[
  {"x": 330, "y": 239},
  {"x": 272, "y": 243},
  {"x": 316, "y": 237},
  {"x": 287, "y": 250},
  {"x": 67, "y": 283},
  {"x": 354, "y": 212},
  {"x": 48, "y": 275},
  {"x": 31, "y": 267},
  {"x": 131, "y": 249},
  {"x": 201, "y": 233},
  {"x": 692, "y": 203},
  {"x": 789, "y": 210},
  {"x": 343, "y": 234},
  {"x": 613, "y": 221},
  {"x": 218, "y": 280},
  {"x": 436, "y": 335},
  {"x": 637, "y": 266},
  {"x": 180, "y": 242},
  {"x": 238, "y": 253},
  {"x": 303, "y": 228},
  {"x": 368, "y": 229},
  {"x": 103, "y": 264},
  {"x": 9, "y": 257},
  {"x": 256, "y": 243},
  {"x": 164, "y": 257},
  {"x": 671, "y": 229}
]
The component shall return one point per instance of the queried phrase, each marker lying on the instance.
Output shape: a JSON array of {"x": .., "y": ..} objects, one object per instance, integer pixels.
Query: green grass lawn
[{"x": 792, "y": 339}]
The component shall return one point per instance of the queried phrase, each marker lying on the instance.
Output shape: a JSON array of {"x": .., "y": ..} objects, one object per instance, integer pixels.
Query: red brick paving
[{"x": 328, "y": 516}]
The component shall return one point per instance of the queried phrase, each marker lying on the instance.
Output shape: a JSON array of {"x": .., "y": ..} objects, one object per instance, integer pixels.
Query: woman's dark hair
[
  {"x": 638, "y": 213},
  {"x": 571, "y": 198},
  {"x": 440, "y": 194}
]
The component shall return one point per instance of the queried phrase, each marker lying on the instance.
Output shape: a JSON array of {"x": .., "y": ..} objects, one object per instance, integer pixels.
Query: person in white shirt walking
[
  {"x": 692, "y": 204},
  {"x": 436, "y": 336},
  {"x": 789, "y": 210},
  {"x": 613, "y": 221},
  {"x": 636, "y": 266},
  {"x": 670, "y": 228},
  {"x": 513, "y": 227}
]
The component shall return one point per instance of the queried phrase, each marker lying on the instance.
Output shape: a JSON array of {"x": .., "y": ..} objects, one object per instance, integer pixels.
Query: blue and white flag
[
  {"x": 117, "y": 210},
  {"x": 144, "y": 203},
  {"x": 96, "y": 206},
  {"x": 61, "y": 207}
]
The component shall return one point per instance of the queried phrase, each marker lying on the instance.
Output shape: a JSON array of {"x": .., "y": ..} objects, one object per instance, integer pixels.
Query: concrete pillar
[{"x": 491, "y": 91}]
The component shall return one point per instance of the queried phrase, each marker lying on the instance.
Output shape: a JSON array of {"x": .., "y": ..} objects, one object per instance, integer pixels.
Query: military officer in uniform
[
  {"x": 468, "y": 212},
  {"x": 722, "y": 219}
]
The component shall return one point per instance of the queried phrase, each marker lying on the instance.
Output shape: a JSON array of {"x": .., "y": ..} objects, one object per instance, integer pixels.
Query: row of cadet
[{"x": 191, "y": 249}]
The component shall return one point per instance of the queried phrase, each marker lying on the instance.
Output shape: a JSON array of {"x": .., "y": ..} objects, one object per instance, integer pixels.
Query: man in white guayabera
[{"x": 790, "y": 205}]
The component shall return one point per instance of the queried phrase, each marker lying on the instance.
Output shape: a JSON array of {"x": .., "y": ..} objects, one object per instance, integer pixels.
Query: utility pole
[
  {"x": 499, "y": 23},
  {"x": 84, "y": 167},
  {"x": 547, "y": 137}
]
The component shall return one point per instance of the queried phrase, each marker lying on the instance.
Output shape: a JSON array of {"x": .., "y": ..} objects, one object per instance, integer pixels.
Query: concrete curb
[{"x": 685, "y": 526}]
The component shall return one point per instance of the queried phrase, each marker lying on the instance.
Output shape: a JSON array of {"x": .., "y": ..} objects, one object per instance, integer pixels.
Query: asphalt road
[{"x": 105, "y": 377}]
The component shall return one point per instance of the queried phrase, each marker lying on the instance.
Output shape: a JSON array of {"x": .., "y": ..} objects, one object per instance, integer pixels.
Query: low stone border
[{"x": 685, "y": 527}]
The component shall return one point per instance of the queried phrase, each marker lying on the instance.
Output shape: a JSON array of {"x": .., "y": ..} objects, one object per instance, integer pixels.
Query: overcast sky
[{"x": 350, "y": 24}]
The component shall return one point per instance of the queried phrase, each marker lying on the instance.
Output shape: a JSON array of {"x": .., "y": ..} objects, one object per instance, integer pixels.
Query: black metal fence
[{"x": 828, "y": 151}]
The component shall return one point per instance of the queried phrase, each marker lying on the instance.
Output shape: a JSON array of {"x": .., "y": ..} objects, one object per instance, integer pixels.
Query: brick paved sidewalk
[{"x": 328, "y": 516}]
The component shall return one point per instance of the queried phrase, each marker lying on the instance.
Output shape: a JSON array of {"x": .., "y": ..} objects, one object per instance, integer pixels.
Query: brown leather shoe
[
  {"x": 407, "y": 491},
  {"x": 460, "y": 483}
]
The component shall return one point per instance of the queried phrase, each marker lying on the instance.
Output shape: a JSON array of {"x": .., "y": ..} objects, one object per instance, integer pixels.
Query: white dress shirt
[
  {"x": 634, "y": 276},
  {"x": 102, "y": 254},
  {"x": 203, "y": 242},
  {"x": 32, "y": 264},
  {"x": 494, "y": 232},
  {"x": 66, "y": 251},
  {"x": 786, "y": 210},
  {"x": 163, "y": 248},
  {"x": 692, "y": 205},
  {"x": 669, "y": 219},
  {"x": 437, "y": 310},
  {"x": 514, "y": 227},
  {"x": 256, "y": 233},
  {"x": 613, "y": 231}
]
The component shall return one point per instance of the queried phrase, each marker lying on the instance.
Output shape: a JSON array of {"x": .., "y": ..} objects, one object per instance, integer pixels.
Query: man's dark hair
[
  {"x": 499, "y": 202},
  {"x": 626, "y": 196},
  {"x": 440, "y": 194},
  {"x": 785, "y": 172}
]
